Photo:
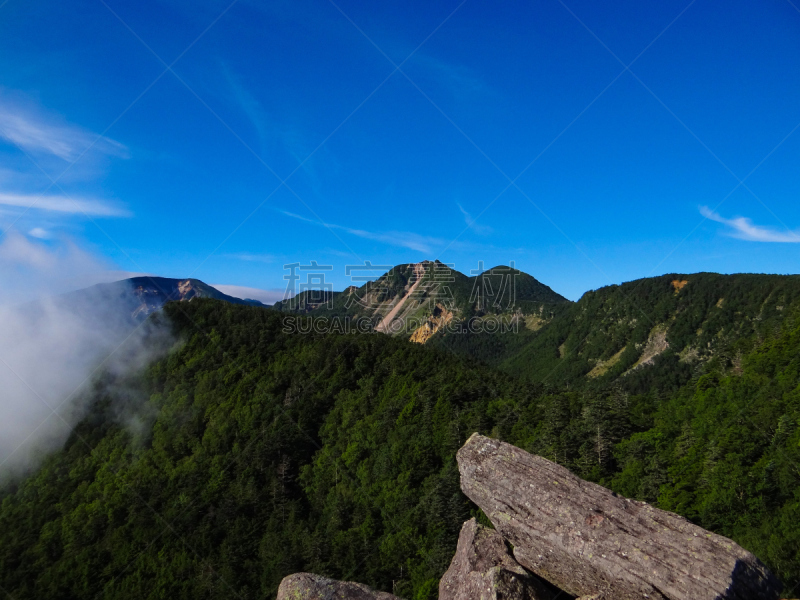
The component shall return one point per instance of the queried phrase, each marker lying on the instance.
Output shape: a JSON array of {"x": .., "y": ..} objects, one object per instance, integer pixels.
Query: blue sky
[{"x": 222, "y": 141}]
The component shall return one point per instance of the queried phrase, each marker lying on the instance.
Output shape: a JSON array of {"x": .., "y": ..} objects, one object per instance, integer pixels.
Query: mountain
[
  {"x": 256, "y": 449},
  {"x": 417, "y": 300},
  {"x": 260, "y": 445},
  {"x": 655, "y": 331},
  {"x": 138, "y": 297}
]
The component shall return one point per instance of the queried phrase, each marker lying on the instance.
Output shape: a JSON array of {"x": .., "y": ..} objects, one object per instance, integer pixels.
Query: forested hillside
[
  {"x": 656, "y": 332},
  {"x": 249, "y": 453}
]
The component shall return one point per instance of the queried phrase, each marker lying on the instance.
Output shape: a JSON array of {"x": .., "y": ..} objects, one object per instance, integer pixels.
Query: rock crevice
[
  {"x": 484, "y": 569},
  {"x": 587, "y": 540},
  {"x": 571, "y": 539}
]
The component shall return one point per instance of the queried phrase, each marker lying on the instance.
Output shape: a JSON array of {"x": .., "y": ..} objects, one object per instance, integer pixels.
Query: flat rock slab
[
  {"x": 307, "y": 586},
  {"x": 588, "y": 541},
  {"x": 483, "y": 569}
]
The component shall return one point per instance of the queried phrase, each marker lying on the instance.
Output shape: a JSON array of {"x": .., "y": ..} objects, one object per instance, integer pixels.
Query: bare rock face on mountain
[
  {"x": 306, "y": 586},
  {"x": 587, "y": 541},
  {"x": 483, "y": 569}
]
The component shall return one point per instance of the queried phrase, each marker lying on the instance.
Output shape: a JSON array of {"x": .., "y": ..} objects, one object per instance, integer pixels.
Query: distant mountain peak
[
  {"x": 428, "y": 295},
  {"x": 141, "y": 296}
]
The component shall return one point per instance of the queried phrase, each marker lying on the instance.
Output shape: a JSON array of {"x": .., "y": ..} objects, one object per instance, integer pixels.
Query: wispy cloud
[
  {"x": 472, "y": 224},
  {"x": 280, "y": 129},
  {"x": 403, "y": 239},
  {"x": 248, "y": 257},
  {"x": 248, "y": 104},
  {"x": 744, "y": 229},
  {"x": 62, "y": 204},
  {"x": 36, "y": 144},
  {"x": 39, "y": 132}
]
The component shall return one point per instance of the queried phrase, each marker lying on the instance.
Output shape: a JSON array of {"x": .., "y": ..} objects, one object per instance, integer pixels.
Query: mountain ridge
[
  {"x": 412, "y": 294},
  {"x": 138, "y": 297},
  {"x": 673, "y": 322},
  {"x": 625, "y": 332}
]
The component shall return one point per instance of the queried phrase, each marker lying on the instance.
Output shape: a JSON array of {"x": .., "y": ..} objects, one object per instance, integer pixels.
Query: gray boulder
[
  {"x": 307, "y": 586},
  {"x": 587, "y": 541},
  {"x": 483, "y": 569}
]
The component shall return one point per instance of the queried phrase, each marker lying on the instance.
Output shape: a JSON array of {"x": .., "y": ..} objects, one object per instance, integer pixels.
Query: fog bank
[{"x": 51, "y": 349}]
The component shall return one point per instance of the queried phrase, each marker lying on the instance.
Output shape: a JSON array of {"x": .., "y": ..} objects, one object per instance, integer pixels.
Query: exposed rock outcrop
[
  {"x": 307, "y": 586},
  {"x": 586, "y": 540},
  {"x": 385, "y": 326},
  {"x": 571, "y": 538},
  {"x": 483, "y": 569},
  {"x": 441, "y": 317},
  {"x": 656, "y": 344}
]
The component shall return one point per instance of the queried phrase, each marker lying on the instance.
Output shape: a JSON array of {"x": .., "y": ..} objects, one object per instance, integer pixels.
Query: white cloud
[
  {"x": 248, "y": 257},
  {"x": 62, "y": 204},
  {"x": 743, "y": 228},
  {"x": 247, "y": 293},
  {"x": 404, "y": 239},
  {"x": 472, "y": 224},
  {"x": 38, "y": 132},
  {"x": 35, "y": 143},
  {"x": 51, "y": 349},
  {"x": 39, "y": 233},
  {"x": 31, "y": 269}
]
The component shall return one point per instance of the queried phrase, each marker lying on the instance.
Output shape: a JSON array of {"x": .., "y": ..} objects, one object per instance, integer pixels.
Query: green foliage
[
  {"x": 268, "y": 453},
  {"x": 726, "y": 454},
  {"x": 709, "y": 319},
  {"x": 258, "y": 453}
]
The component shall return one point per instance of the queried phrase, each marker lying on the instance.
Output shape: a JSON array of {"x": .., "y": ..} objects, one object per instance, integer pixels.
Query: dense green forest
[
  {"x": 248, "y": 453},
  {"x": 703, "y": 318}
]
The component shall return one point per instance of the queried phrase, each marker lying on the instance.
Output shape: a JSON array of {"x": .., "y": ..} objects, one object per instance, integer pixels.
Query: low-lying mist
[{"x": 53, "y": 348}]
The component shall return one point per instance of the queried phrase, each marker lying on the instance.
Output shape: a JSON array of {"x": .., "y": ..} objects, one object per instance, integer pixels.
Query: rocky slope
[
  {"x": 483, "y": 568},
  {"x": 308, "y": 585},
  {"x": 587, "y": 540},
  {"x": 409, "y": 299},
  {"x": 570, "y": 538}
]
